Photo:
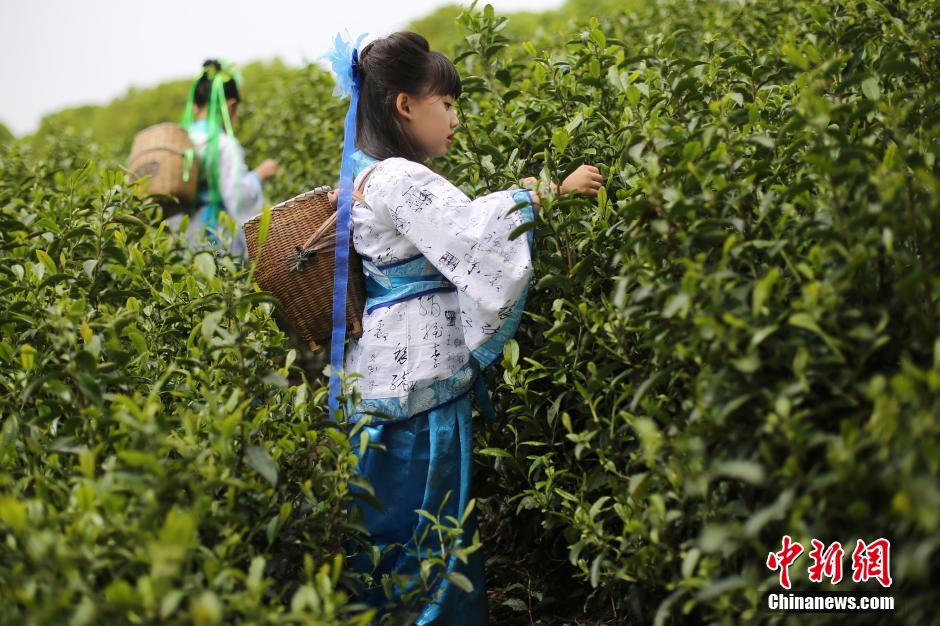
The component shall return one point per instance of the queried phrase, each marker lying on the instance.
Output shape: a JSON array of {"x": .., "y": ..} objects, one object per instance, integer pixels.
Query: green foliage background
[
  {"x": 155, "y": 465},
  {"x": 735, "y": 341},
  {"x": 739, "y": 339}
]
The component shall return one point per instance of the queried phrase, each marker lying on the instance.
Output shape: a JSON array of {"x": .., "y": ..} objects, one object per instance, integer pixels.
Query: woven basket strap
[
  {"x": 319, "y": 233},
  {"x": 357, "y": 193},
  {"x": 330, "y": 222}
]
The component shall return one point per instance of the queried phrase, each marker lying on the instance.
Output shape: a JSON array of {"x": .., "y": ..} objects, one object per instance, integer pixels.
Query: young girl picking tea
[
  {"x": 225, "y": 184},
  {"x": 445, "y": 290}
]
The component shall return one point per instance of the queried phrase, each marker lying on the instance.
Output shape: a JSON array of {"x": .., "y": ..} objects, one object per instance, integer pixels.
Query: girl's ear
[{"x": 403, "y": 105}]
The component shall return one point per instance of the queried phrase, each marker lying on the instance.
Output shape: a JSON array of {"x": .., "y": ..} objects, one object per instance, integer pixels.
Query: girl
[
  {"x": 445, "y": 290},
  {"x": 225, "y": 184}
]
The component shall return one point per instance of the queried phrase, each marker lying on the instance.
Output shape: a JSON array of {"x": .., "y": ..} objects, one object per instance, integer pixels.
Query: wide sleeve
[
  {"x": 240, "y": 187},
  {"x": 467, "y": 241}
]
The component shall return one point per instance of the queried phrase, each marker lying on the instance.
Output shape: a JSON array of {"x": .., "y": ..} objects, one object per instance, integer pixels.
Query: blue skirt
[{"x": 424, "y": 457}]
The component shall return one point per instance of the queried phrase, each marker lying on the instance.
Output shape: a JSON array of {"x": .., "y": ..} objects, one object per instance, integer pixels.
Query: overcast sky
[{"x": 58, "y": 53}]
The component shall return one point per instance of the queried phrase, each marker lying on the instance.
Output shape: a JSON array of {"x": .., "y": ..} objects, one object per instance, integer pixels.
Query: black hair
[
  {"x": 401, "y": 62},
  {"x": 204, "y": 85}
]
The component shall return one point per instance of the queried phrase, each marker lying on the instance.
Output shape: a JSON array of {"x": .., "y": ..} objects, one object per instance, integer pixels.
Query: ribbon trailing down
[{"x": 344, "y": 59}]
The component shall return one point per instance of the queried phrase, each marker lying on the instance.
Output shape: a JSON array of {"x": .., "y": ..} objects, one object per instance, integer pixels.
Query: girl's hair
[
  {"x": 401, "y": 62},
  {"x": 204, "y": 85}
]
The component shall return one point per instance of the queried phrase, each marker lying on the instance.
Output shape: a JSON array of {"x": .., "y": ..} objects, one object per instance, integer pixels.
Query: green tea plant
[
  {"x": 738, "y": 339},
  {"x": 155, "y": 466},
  {"x": 294, "y": 117}
]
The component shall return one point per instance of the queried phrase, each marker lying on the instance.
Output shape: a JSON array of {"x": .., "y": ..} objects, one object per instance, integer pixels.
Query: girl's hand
[
  {"x": 536, "y": 200},
  {"x": 587, "y": 179},
  {"x": 530, "y": 183},
  {"x": 267, "y": 169},
  {"x": 333, "y": 197}
]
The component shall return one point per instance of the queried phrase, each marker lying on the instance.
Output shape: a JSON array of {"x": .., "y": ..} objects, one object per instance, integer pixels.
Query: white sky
[{"x": 59, "y": 53}]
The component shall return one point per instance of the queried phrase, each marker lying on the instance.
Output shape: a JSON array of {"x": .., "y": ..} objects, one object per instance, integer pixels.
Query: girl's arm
[
  {"x": 467, "y": 240},
  {"x": 587, "y": 179},
  {"x": 240, "y": 187}
]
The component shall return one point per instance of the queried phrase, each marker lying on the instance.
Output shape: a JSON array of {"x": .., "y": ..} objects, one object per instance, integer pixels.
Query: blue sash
[{"x": 411, "y": 279}]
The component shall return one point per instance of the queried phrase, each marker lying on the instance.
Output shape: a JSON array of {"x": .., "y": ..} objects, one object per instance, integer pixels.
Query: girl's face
[{"x": 430, "y": 120}]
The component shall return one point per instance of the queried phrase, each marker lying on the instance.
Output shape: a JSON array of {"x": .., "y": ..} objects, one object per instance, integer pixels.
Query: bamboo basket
[
  {"x": 296, "y": 265},
  {"x": 159, "y": 151}
]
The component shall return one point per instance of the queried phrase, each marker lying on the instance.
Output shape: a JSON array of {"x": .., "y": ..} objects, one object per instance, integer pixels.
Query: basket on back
[
  {"x": 164, "y": 152},
  {"x": 296, "y": 265}
]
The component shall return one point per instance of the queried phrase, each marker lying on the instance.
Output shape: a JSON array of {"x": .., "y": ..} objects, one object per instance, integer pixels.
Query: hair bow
[
  {"x": 230, "y": 71},
  {"x": 344, "y": 61},
  {"x": 227, "y": 71}
]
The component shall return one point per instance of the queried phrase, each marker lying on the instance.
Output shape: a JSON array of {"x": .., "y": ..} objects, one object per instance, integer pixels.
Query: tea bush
[
  {"x": 735, "y": 341},
  {"x": 114, "y": 124},
  {"x": 294, "y": 117},
  {"x": 738, "y": 340},
  {"x": 156, "y": 463},
  {"x": 155, "y": 466}
]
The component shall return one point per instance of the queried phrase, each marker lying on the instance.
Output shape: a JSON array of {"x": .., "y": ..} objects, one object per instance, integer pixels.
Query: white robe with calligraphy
[{"x": 415, "y": 355}]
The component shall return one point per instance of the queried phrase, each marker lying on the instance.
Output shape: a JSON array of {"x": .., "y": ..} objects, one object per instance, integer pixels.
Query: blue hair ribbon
[{"x": 344, "y": 59}]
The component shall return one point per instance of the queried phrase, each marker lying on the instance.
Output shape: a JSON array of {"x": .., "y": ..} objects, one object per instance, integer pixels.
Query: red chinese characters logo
[
  {"x": 869, "y": 561},
  {"x": 783, "y": 559},
  {"x": 872, "y": 561},
  {"x": 826, "y": 564}
]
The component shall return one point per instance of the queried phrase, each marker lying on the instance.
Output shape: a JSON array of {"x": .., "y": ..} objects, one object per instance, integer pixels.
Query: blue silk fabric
[
  {"x": 397, "y": 282},
  {"x": 425, "y": 458}
]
